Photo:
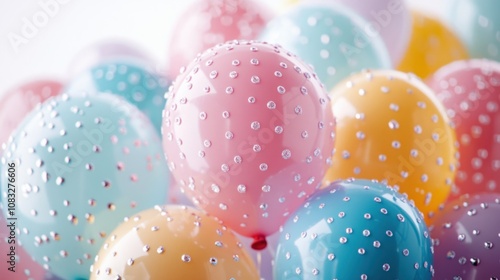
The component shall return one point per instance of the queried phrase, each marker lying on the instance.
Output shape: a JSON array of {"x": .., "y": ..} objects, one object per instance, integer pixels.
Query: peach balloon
[{"x": 175, "y": 243}]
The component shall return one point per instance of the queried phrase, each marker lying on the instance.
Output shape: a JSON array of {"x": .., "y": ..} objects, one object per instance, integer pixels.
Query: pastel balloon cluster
[
  {"x": 81, "y": 155},
  {"x": 327, "y": 140}
]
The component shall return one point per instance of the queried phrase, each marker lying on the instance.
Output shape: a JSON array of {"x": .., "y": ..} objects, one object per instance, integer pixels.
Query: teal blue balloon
[
  {"x": 355, "y": 229},
  {"x": 83, "y": 164},
  {"x": 135, "y": 83},
  {"x": 477, "y": 23},
  {"x": 334, "y": 40}
]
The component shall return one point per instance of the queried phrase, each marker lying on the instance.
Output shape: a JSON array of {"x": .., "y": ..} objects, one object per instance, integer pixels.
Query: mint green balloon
[
  {"x": 134, "y": 82},
  {"x": 333, "y": 39},
  {"x": 477, "y": 23},
  {"x": 83, "y": 164}
]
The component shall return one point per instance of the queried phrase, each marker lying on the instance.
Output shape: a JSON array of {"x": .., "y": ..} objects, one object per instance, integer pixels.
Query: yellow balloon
[
  {"x": 175, "y": 243},
  {"x": 391, "y": 127},
  {"x": 432, "y": 45}
]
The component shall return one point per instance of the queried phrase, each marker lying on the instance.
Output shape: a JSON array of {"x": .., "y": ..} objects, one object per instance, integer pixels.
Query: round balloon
[
  {"x": 248, "y": 132},
  {"x": 389, "y": 18},
  {"x": 82, "y": 165},
  {"x": 135, "y": 83},
  {"x": 16, "y": 263},
  {"x": 332, "y": 39},
  {"x": 355, "y": 229},
  {"x": 431, "y": 46},
  {"x": 209, "y": 22},
  {"x": 477, "y": 24},
  {"x": 470, "y": 90},
  {"x": 108, "y": 51},
  {"x": 18, "y": 102},
  {"x": 177, "y": 242},
  {"x": 465, "y": 235},
  {"x": 391, "y": 127}
]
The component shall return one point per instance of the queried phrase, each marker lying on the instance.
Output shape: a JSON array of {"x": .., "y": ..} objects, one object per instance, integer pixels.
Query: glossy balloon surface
[
  {"x": 176, "y": 242},
  {"x": 470, "y": 90},
  {"x": 248, "y": 131},
  {"x": 391, "y": 126},
  {"x": 355, "y": 229},
  {"x": 466, "y": 238},
  {"x": 83, "y": 164}
]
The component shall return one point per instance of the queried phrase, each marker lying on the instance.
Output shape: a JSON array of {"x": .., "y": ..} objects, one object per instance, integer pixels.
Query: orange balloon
[
  {"x": 175, "y": 243},
  {"x": 432, "y": 45},
  {"x": 391, "y": 127}
]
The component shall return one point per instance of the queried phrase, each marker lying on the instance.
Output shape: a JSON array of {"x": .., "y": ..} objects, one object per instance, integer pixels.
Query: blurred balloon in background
[
  {"x": 135, "y": 83},
  {"x": 25, "y": 268},
  {"x": 108, "y": 51},
  {"x": 333, "y": 39},
  {"x": 470, "y": 90},
  {"x": 248, "y": 134},
  {"x": 19, "y": 102},
  {"x": 83, "y": 164},
  {"x": 176, "y": 242},
  {"x": 477, "y": 24},
  {"x": 432, "y": 45},
  {"x": 389, "y": 18},
  {"x": 391, "y": 127},
  {"x": 355, "y": 229},
  {"x": 466, "y": 238},
  {"x": 209, "y": 22}
]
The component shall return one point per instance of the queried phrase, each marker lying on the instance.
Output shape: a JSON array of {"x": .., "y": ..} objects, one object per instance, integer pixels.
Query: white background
[{"x": 80, "y": 23}]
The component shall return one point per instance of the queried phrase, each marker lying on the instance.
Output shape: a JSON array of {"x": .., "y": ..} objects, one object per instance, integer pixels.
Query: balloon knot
[{"x": 259, "y": 242}]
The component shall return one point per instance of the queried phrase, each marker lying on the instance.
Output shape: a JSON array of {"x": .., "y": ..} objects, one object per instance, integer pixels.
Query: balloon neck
[{"x": 259, "y": 242}]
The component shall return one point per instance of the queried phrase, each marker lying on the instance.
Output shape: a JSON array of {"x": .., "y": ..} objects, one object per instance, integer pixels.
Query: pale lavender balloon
[
  {"x": 466, "y": 235},
  {"x": 109, "y": 51},
  {"x": 389, "y": 18}
]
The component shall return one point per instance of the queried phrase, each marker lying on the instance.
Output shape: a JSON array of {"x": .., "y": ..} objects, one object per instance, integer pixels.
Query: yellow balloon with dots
[
  {"x": 432, "y": 45},
  {"x": 391, "y": 127}
]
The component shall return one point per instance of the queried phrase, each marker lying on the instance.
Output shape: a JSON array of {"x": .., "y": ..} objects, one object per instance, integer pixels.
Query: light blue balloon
[
  {"x": 83, "y": 165},
  {"x": 356, "y": 229},
  {"x": 334, "y": 40},
  {"x": 131, "y": 81},
  {"x": 477, "y": 23}
]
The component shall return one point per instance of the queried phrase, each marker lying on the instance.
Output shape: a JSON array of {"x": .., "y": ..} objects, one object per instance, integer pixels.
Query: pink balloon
[
  {"x": 248, "y": 132},
  {"x": 25, "y": 267},
  {"x": 108, "y": 51},
  {"x": 18, "y": 102},
  {"x": 209, "y": 22},
  {"x": 470, "y": 90},
  {"x": 391, "y": 19},
  {"x": 466, "y": 236}
]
